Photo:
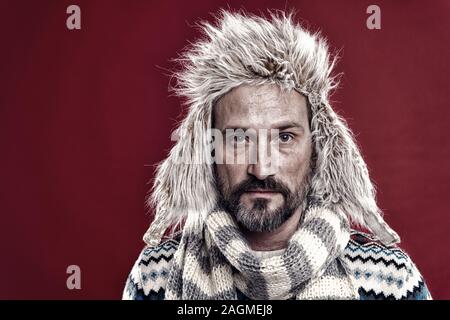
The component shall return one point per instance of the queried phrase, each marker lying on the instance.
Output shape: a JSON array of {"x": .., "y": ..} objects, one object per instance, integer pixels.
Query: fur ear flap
[
  {"x": 183, "y": 179},
  {"x": 341, "y": 179},
  {"x": 245, "y": 49}
]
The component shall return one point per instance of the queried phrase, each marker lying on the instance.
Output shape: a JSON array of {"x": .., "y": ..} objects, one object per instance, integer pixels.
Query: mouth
[{"x": 261, "y": 192}]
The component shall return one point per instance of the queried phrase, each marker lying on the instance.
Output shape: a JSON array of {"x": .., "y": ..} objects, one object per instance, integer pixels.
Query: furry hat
[{"x": 243, "y": 49}]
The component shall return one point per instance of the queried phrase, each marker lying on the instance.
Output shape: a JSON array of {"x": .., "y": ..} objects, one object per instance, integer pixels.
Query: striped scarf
[{"x": 217, "y": 262}]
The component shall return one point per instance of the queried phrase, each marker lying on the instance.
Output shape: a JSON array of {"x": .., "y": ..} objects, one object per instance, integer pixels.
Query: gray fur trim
[{"x": 244, "y": 49}]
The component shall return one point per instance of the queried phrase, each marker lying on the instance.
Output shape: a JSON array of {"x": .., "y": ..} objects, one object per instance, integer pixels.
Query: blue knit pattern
[{"x": 377, "y": 271}]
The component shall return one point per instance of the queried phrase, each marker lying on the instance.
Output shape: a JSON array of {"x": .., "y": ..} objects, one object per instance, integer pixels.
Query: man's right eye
[{"x": 239, "y": 138}]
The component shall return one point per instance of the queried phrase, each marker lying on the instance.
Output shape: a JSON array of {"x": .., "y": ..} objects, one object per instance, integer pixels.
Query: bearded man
[{"x": 260, "y": 195}]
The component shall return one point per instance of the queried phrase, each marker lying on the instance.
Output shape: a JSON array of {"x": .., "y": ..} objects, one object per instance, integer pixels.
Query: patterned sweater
[{"x": 379, "y": 272}]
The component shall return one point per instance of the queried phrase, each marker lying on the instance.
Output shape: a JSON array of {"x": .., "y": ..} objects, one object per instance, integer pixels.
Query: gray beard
[{"x": 259, "y": 218}]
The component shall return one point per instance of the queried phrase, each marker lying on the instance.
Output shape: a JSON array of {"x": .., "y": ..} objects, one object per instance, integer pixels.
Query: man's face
[{"x": 263, "y": 194}]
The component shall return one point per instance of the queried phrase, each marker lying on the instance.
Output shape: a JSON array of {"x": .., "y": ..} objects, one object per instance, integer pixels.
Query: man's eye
[
  {"x": 239, "y": 139},
  {"x": 285, "y": 137}
]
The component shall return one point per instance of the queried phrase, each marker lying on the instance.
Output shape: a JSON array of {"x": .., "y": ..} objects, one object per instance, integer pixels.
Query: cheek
[
  {"x": 294, "y": 165},
  {"x": 231, "y": 174}
]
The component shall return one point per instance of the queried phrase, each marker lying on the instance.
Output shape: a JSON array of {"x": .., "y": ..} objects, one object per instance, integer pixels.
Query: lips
[{"x": 261, "y": 192}]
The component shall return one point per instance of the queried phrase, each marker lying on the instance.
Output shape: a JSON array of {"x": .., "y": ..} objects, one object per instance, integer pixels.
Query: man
[{"x": 265, "y": 181}]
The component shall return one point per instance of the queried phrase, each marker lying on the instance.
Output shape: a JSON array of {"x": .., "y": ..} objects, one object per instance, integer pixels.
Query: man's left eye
[{"x": 285, "y": 137}]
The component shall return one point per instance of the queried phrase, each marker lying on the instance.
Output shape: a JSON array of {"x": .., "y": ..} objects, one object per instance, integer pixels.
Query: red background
[{"x": 84, "y": 116}]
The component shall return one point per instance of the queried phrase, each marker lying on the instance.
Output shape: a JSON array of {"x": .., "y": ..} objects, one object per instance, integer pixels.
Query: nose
[
  {"x": 264, "y": 166},
  {"x": 259, "y": 171}
]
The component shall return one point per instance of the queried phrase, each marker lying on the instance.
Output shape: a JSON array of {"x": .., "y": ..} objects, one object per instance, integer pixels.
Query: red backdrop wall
[{"x": 85, "y": 114}]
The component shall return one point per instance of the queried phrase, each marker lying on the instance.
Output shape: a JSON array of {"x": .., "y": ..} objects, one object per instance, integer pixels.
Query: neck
[{"x": 276, "y": 239}]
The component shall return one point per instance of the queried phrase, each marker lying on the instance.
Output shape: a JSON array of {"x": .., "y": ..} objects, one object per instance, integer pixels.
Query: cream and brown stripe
[{"x": 213, "y": 264}]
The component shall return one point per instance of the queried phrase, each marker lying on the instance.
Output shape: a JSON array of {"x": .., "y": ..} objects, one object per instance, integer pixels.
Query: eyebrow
[
  {"x": 280, "y": 126},
  {"x": 289, "y": 124}
]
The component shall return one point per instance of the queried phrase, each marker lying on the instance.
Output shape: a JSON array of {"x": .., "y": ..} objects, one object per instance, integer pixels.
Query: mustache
[{"x": 268, "y": 184}]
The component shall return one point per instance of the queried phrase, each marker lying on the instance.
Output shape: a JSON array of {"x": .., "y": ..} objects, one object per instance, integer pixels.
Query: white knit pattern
[
  {"x": 202, "y": 267},
  {"x": 375, "y": 270},
  {"x": 244, "y": 49}
]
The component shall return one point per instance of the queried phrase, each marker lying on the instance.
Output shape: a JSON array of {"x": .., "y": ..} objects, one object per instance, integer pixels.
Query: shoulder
[
  {"x": 382, "y": 272},
  {"x": 148, "y": 277}
]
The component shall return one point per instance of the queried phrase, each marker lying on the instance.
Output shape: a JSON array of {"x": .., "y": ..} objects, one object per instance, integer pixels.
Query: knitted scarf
[{"x": 218, "y": 261}]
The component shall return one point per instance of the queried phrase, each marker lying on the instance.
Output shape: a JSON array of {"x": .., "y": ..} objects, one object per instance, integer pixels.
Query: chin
[{"x": 270, "y": 204}]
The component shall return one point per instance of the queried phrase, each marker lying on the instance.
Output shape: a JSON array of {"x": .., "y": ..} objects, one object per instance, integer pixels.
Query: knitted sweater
[{"x": 379, "y": 272}]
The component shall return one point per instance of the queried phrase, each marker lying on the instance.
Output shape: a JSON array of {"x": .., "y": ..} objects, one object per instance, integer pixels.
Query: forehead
[{"x": 262, "y": 106}]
